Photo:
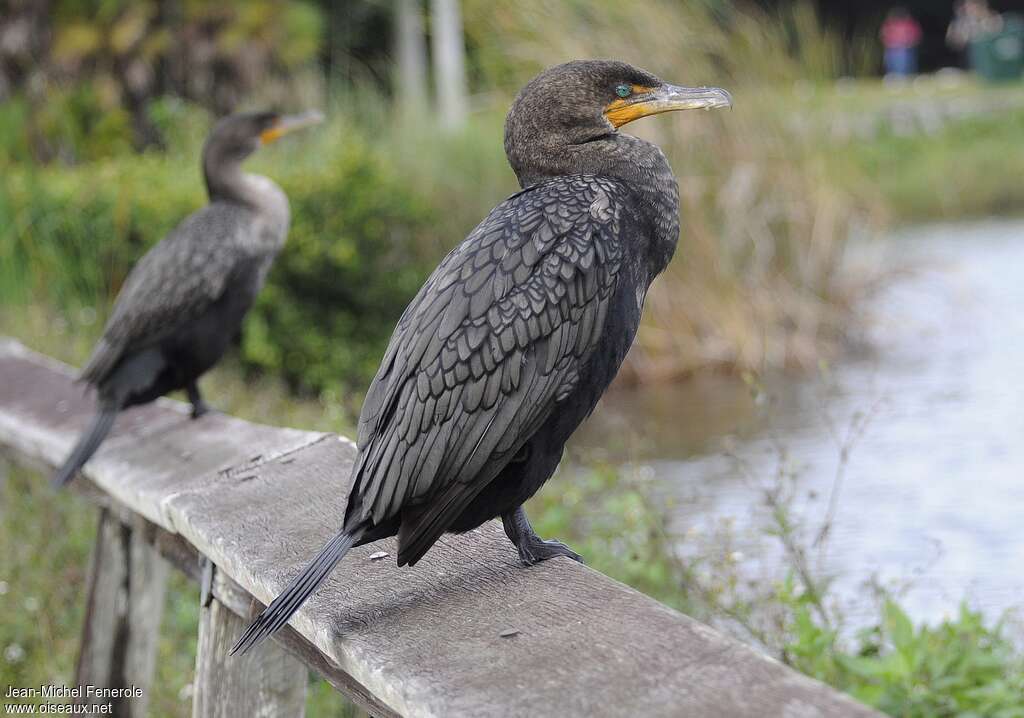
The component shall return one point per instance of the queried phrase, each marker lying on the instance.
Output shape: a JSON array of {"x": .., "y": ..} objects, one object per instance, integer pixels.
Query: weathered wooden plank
[
  {"x": 261, "y": 684},
  {"x": 153, "y": 451},
  {"x": 434, "y": 640},
  {"x": 186, "y": 558},
  {"x": 127, "y": 584},
  {"x": 428, "y": 640}
]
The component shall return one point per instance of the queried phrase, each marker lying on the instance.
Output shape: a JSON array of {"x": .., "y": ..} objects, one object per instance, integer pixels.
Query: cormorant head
[
  {"x": 237, "y": 136},
  {"x": 584, "y": 100}
]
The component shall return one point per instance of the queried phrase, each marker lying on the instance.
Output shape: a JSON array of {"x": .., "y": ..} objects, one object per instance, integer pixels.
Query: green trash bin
[{"x": 999, "y": 56}]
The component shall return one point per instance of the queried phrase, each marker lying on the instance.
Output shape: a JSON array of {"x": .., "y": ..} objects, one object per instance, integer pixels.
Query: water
[{"x": 932, "y": 493}]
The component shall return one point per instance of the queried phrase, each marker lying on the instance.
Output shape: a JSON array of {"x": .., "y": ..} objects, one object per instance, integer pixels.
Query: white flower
[{"x": 14, "y": 653}]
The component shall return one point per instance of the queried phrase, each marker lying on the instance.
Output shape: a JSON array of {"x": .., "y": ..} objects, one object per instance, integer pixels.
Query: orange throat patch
[{"x": 625, "y": 110}]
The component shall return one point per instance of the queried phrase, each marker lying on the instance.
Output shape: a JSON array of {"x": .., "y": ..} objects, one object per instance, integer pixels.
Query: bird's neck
[
  {"x": 639, "y": 164},
  {"x": 225, "y": 181},
  {"x": 228, "y": 183}
]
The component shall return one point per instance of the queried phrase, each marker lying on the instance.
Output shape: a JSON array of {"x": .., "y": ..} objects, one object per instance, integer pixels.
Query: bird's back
[
  {"x": 495, "y": 340},
  {"x": 180, "y": 278}
]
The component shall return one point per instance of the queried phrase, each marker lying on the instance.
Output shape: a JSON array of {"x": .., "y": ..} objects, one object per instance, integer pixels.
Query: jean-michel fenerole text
[{"x": 87, "y": 692}]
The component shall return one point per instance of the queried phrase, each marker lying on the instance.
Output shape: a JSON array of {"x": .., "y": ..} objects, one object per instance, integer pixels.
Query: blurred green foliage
[
  {"x": 961, "y": 667},
  {"x": 958, "y": 170},
  {"x": 87, "y": 71},
  {"x": 767, "y": 211},
  {"x": 351, "y": 264}
]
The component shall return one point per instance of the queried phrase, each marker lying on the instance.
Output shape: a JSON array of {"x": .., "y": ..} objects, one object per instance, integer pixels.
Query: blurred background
[{"x": 815, "y": 443}]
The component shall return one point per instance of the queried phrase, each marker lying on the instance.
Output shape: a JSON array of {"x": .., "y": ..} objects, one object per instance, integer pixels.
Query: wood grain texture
[
  {"x": 153, "y": 451},
  {"x": 127, "y": 583},
  {"x": 261, "y": 684},
  {"x": 186, "y": 558},
  {"x": 425, "y": 641}
]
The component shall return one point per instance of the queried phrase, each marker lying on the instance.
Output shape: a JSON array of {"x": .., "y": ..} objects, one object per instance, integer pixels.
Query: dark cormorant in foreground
[
  {"x": 184, "y": 300},
  {"x": 515, "y": 336}
]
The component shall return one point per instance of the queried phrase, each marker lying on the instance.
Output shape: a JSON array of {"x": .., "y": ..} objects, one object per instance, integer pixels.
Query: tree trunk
[
  {"x": 449, "y": 62},
  {"x": 411, "y": 49}
]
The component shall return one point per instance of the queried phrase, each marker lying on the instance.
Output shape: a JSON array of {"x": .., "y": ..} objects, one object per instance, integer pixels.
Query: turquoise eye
[{"x": 623, "y": 91}]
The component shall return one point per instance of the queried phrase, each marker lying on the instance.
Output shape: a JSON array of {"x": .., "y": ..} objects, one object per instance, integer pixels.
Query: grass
[
  {"x": 962, "y": 169},
  {"x": 42, "y": 584},
  {"x": 42, "y": 573}
]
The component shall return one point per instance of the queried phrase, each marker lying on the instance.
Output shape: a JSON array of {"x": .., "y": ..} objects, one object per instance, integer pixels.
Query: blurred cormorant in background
[{"x": 184, "y": 301}]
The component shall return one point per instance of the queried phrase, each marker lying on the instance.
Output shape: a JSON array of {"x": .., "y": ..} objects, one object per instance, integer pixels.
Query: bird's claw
[
  {"x": 199, "y": 409},
  {"x": 537, "y": 551}
]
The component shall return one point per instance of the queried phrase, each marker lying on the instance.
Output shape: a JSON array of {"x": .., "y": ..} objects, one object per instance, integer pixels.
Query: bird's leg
[
  {"x": 532, "y": 548},
  {"x": 199, "y": 407}
]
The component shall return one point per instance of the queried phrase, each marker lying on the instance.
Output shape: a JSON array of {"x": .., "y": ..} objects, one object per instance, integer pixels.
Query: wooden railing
[{"x": 240, "y": 507}]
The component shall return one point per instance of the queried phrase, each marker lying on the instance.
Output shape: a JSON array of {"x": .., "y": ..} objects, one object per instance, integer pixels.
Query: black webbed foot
[
  {"x": 199, "y": 408},
  {"x": 531, "y": 547},
  {"x": 531, "y": 552}
]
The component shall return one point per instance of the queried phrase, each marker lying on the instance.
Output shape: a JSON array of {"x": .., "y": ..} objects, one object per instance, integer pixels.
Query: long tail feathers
[
  {"x": 281, "y": 608},
  {"x": 86, "y": 446}
]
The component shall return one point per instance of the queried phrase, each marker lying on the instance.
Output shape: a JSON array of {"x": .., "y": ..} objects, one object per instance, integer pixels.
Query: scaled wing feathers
[
  {"x": 175, "y": 282},
  {"x": 483, "y": 354}
]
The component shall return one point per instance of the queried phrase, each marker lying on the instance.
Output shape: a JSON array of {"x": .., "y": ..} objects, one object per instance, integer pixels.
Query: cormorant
[
  {"x": 519, "y": 331},
  {"x": 184, "y": 301}
]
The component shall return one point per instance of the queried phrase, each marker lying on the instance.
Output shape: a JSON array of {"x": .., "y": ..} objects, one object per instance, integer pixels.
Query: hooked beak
[
  {"x": 666, "y": 98},
  {"x": 290, "y": 123}
]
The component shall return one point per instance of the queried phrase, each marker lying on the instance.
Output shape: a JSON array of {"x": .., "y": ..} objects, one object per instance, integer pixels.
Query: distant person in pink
[{"x": 901, "y": 34}]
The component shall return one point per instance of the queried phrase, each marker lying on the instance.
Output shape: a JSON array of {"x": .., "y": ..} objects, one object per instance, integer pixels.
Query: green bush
[
  {"x": 352, "y": 262},
  {"x": 960, "y": 667},
  {"x": 70, "y": 235}
]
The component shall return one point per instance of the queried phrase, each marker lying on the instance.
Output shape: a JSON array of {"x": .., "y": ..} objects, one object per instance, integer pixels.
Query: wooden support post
[
  {"x": 265, "y": 682},
  {"x": 127, "y": 583}
]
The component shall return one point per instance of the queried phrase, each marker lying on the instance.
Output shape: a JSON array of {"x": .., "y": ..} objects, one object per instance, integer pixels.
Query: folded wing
[
  {"x": 172, "y": 285},
  {"x": 492, "y": 343}
]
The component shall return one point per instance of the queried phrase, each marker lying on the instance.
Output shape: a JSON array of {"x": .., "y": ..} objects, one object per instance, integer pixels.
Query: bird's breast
[{"x": 273, "y": 215}]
